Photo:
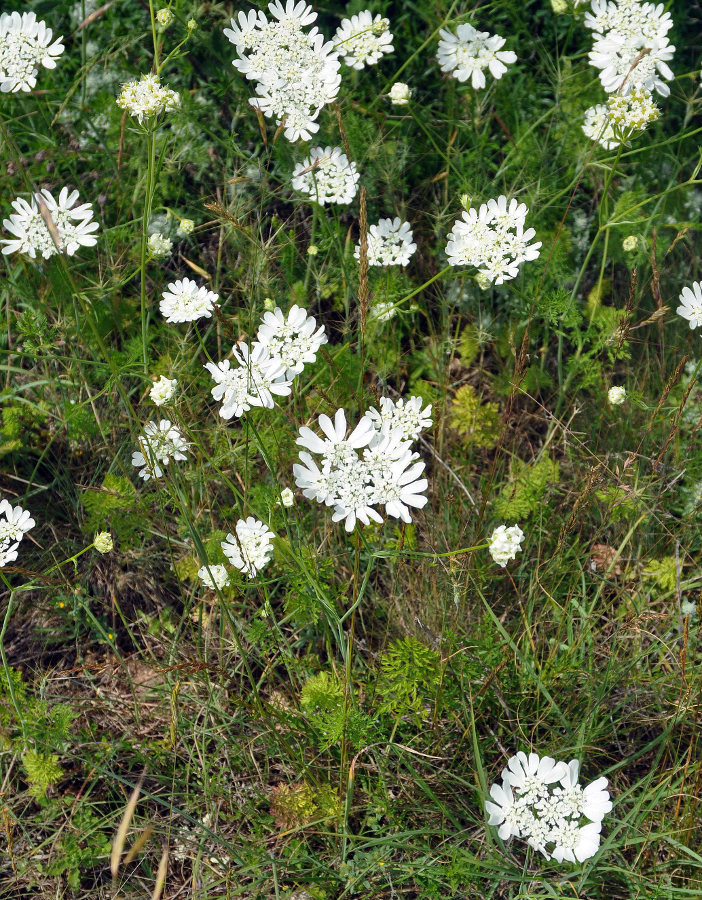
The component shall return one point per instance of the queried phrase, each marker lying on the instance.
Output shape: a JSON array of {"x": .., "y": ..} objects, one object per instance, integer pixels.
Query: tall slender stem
[{"x": 148, "y": 200}]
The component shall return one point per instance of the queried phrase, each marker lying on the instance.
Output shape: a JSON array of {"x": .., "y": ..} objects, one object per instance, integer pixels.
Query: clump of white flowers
[
  {"x": 160, "y": 245},
  {"x": 15, "y": 522},
  {"x": 185, "y": 301},
  {"x": 493, "y": 239},
  {"x": 504, "y": 543},
  {"x": 253, "y": 382},
  {"x": 25, "y": 44},
  {"x": 214, "y": 577},
  {"x": 389, "y": 243},
  {"x": 542, "y": 802},
  {"x": 163, "y": 390},
  {"x": 616, "y": 395},
  {"x": 46, "y": 226},
  {"x": 372, "y": 466},
  {"x": 467, "y": 52},
  {"x": 363, "y": 39},
  {"x": 326, "y": 176},
  {"x": 251, "y": 548},
  {"x": 296, "y": 71},
  {"x": 293, "y": 339},
  {"x": 400, "y": 94},
  {"x": 691, "y": 304},
  {"x": 598, "y": 126},
  {"x": 147, "y": 98},
  {"x": 630, "y": 46},
  {"x": 157, "y": 446}
]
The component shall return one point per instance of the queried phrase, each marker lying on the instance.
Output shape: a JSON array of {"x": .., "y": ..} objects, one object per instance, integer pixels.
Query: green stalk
[{"x": 148, "y": 201}]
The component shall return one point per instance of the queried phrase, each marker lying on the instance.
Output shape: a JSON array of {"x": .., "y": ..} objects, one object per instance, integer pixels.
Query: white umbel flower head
[
  {"x": 214, "y": 577},
  {"x": 184, "y": 301},
  {"x": 363, "y": 39},
  {"x": 400, "y": 94},
  {"x": 103, "y": 542},
  {"x": 492, "y": 238},
  {"x": 15, "y": 522},
  {"x": 616, "y": 395},
  {"x": 163, "y": 390},
  {"x": 467, "y": 52},
  {"x": 157, "y": 446},
  {"x": 505, "y": 543},
  {"x": 326, "y": 176},
  {"x": 404, "y": 416},
  {"x": 147, "y": 98},
  {"x": 294, "y": 339},
  {"x": 45, "y": 226},
  {"x": 251, "y": 548},
  {"x": 8, "y": 554},
  {"x": 507, "y": 812},
  {"x": 258, "y": 377},
  {"x": 25, "y": 44},
  {"x": 691, "y": 304},
  {"x": 389, "y": 243},
  {"x": 160, "y": 246},
  {"x": 592, "y": 801},
  {"x": 573, "y": 842},
  {"x": 598, "y": 126}
]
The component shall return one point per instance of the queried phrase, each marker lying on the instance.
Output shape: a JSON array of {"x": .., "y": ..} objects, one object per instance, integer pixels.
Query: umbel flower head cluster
[
  {"x": 147, "y": 98},
  {"x": 363, "y": 39},
  {"x": 25, "y": 44},
  {"x": 542, "y": 802},
  {"x": 492, "y": 238},
  {"x": 326, "y": 176},
  {"x": 283, "y": 348},
  {"x": 157, "y": 446},
  {"x": 45, "y": 226},
  {"x": 504, "y": 543},
  {"x": 185, "y": 301},
  {"x": 389, "y": 243},
  {"x": 249, "y": 548},
  {"x": 15, "y": 522},
  {"x": 296, "y": 71},
  {"x": 622, "y": 117},
  {"x": 467, "y": 53},
  {"x": 371, "y": 466}
]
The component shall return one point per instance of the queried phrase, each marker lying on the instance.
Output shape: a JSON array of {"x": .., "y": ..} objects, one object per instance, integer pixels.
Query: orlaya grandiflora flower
[{"x": 253, "y": 383}]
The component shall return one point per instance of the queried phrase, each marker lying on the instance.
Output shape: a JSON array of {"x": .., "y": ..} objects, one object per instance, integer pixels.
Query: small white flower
[
  {"x": 382, "y": 311},
  {"x": 25, "y": 44},
  {"x": 258, "y": 376},
  {"x": 389, "y": 243},
  {"x": 15, "y": 522},
  {"x": 468, "y": 52},
  {"x": 400, "y": 94},
  {"x": 593, "y": 801},
  {"x": 184, "y": 301},
  {"x": 294, "y": 339},
  {"x": 147, "y": 98},
  {"x": 251, "y": 548},
  {"x": 531, "y": 775},
  {"x": 598, "y": 126},
  {"x": 163, "y": 390},
  {"x": 73, "y": 225},
  {"x": 214, "y": 577},
  {"x": 160, "y": 245},
  {"x": 363, "y": 39},
  {"x": 505, "y": 543},
  {"x": 691, "y": 304},
  {"x": 630, "y": 243},
  {"x": 405, "y": 416},
  {"x": 326, "y": 176},
  {"x": 157, "y": 446},
  {"x": 507, "y": 812},
  {"x": 8, "y": 554},
  {"x": 287, "y": 498},
  {"x": 616, "y": 395},
  {"x": 574, "y": 843}
]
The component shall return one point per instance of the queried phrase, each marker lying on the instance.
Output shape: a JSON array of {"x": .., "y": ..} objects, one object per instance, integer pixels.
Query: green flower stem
[{"x": 148, "y": 201}]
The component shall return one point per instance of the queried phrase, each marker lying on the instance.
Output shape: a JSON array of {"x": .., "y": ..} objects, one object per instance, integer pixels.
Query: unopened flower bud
[
  {"x": 400, "y": 94},
  {"x": 164, "y": 17},
  {"x": 287, "y": 498},
  {"x": 103, "y": 542},
  {"x": 616, "y": 395},
  {"x": 630, "y": 243},
  {"x": 186, "y": 226}
]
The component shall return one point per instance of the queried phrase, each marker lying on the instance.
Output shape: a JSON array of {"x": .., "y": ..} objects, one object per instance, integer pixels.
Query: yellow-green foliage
[
  {"x": 522, "y": 494},
  {"x": 42, "y": 770},
  {"x": 664, "y": 572},
  {"x": 294, "y": 805},
  {"x": 410, "y": 676},
  {"x": 478, "y": 424}
]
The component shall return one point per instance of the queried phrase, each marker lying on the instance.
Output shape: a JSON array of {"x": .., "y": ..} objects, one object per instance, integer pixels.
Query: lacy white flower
[
  {"x": 691, "y": 304},
  {"x": 63, "y": 227},
  {"x": 251, "y": 548},
  {"x": 297, "y": 72},
  {"x": 598, "y": 126},
  {"x": 616, "y": 395},
  {"x": 326, "y": 176},
  {"x": 258, "y": 376},
  {"x": 389, "y": 243},
  {"x": 294, "y": 339},
  {"x": 147, "y": 98},
  {"x": 505, "y": 543},
  {"x": 8, "y": 554},
  {"x": 404, "y": 416},
  {"x": 15, "y": 522},
  {"x": 541, "y": 801},
  {"x": 214, "y": 577},
  {"x": 163, "y": 390},
  {"x": 184, "y": 301},
  {"x": 400, "y": 94},
  {"x": 382, "y": 311},
  {"x": 630, "y": 113},
  {"x": 363, "y": 39},
  {"x": 157, "y": 446},
  {"x": 160, "y": 245},
  {"x": 493, "y": 239},
  {"x": 25, "y": 44},
  {"x": 468, "y": 52}
]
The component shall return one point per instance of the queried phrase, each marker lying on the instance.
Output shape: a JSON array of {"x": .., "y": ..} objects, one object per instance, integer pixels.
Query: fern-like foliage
[
  {"x": 522, "y": 494},
  {"x": 42, "y": 770},
  {"x": 409, "y": 679},
  {"x": 323, "y": 702},
  {"x": 664, "y": 572},
  {"x": 478, "y": 424}
]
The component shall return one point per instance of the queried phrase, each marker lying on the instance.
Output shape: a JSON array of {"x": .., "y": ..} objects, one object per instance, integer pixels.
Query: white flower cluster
[
  {"x": 363, "y": 40},
  {"x": 47, "y": 226},
  {"x": 147, "y": 98},
  {"x": 184, "y": 301},
  {"x": 15, "y": 522},
  {"x": 630, "y": 46},
  {"x": 372, "y": 466},
  {"x": 504, "y": 544},
  {"x": 25, "y": 44},
  {"x": 389, "y": 243},
  {"x": 270, "y": 365},
  {"x": 214, "y": 577},
  {"x": 326, "y": 176},
  {"x": 163, "y": 390},
  {"x": 468, "y": 52},
  {"x": 541, "y": 801},
  {"x": 251, "y": 548},
  {"x": 157, "y": 446},
  {"x": 623, "y": 116},
  {"x": 297, "y": 72},
  {"x": 691, "y": 304},
  {"x": 160, "y": 245},
  {"x": 493, "y": 239},
  {"x": 400, "y": 94}
]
